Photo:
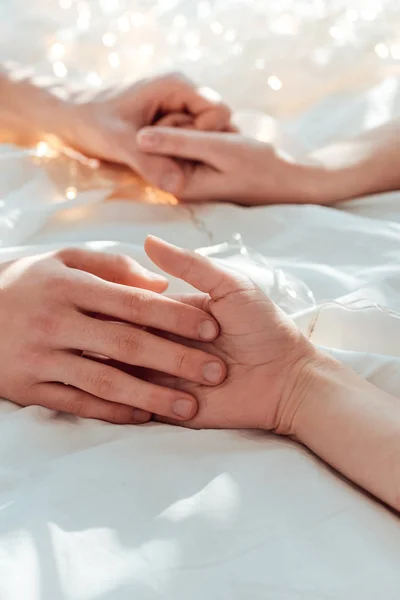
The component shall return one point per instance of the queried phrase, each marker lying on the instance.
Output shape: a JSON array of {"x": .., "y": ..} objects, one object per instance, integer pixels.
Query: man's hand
[
  {"x": 227, "y": 167},
  {"x": 107, "y": 125},
  {"x": 268, "y": 358},
  {"x": 60, "y": 311}
]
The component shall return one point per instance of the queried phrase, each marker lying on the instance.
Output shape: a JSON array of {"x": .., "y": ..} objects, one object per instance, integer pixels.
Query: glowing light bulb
[
  {"x": 137, "y": 19},
  {"x": 216, "y": 27},
  {"x": 94, "y": 79},
  {"x": 109, "y": 39},
  {"x": 146, "y": 50},
  {"x": 113, "y": 60},
  {"x": 382, "y": 50},
  {"x": 57, "y": 51},
  {"x": 71, "y": 193},
  {"x": 274, "y": 83},
  {"x": 124, "y": 24},
  {"x": 42, "y": 149},
  {"x": 59, "y": 69}
]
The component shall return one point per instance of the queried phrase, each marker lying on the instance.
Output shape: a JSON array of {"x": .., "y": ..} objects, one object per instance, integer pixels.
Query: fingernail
[
  {"x": 140, "y": 416},
  {"x": 183, "y": 408},
  {"x": 212, "y": 372},
  {"x": 170, "y": 182},
  {"x": 148, "y": 139},
  {"x": 208, "y": 330}
]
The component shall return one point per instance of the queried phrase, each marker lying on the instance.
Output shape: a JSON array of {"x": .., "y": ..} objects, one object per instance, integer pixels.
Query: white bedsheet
[{"x": 92, "y": 511}]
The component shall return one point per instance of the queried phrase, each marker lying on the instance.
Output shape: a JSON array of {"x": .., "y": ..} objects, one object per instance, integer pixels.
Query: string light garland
[{"x": 270, "y": 56}]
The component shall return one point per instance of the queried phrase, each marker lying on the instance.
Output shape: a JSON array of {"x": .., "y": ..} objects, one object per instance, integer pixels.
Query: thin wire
[{"x": 389, "y": 311}]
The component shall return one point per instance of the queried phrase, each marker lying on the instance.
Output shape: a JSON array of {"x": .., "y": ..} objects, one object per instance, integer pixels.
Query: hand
[
  {"x": 268, "y": 359},
  {"x": 48, "y": 318},
  {"x": 106, "y": 126},
  {"x": 232, "y": 168}
]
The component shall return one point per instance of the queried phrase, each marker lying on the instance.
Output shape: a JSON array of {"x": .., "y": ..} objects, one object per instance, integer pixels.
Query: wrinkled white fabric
[{"x": 92, "y": 511}]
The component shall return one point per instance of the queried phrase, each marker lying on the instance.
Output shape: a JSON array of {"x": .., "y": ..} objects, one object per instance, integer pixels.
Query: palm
[{"x": 258, "y": 342}]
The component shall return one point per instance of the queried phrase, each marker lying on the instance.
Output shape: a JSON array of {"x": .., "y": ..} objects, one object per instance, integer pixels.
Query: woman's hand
[
  {"x": 106, "y": 126},
  {"x": 232, "y": 168},
  {"x": 58, "y": 310},
  {"x": 268, "y": 359}
]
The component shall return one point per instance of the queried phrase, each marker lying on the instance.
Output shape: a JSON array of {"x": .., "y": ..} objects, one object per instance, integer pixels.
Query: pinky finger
[{"x": 68, "y": 399}]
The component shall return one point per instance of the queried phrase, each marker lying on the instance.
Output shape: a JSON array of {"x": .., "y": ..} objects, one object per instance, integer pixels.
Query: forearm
[
  {"x": 355, "y": 427},
  {"x": 28, "y": 112},
  {"x": 360, "y": 166}
]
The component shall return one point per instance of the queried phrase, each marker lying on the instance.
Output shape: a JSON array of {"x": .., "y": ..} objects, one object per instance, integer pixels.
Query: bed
[{"x": 93, "y": 511}]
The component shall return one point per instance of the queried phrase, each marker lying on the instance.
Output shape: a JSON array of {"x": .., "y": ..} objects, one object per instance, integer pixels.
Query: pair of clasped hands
[{"x": 91, "y": 333}]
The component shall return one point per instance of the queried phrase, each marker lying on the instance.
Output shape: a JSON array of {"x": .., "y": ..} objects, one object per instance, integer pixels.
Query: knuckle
[
  {"x": 187, "y": 266},
  {"x": 129, "y": 344},
  {"x": 75, "y": 405},
  {"x": 122, "y": 262},
  {"x": 182, "y": 361},
  {"x": 137, "y": 303},
  {"x": 102, "y": 384}
]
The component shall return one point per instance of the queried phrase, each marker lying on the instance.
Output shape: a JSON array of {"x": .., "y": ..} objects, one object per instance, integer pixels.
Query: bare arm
[
  {"x": 353, "y": 426},
  {"x": 29, "y": 112},
  {"x": 367, "y": 164}
]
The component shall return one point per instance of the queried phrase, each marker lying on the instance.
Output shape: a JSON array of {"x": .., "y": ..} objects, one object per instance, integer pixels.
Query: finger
[
  {"x": 134, "y": 346},
  {"x": 65, "y": 398},
  {"x": 145, "y": 308},
  {"x": 176, "y": 120},
  {"x": 110, "y": 384},
  {"x": 214, "y": 119},
  {"x": 161, "y": 172},
  {"x": 197, "y": 270},
  {"x": 200, "y": 301},
  {"x": 116, "y": 268},
  {"x": 205, "y": 147}
]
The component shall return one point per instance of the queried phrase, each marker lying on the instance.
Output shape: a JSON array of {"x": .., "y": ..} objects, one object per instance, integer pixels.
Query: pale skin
[
  {"x": 238, "y": 361},
  {"x": 278, "y": 381},
  {"x": 222, "y": 167},
  {"x": 50, "y": 305},
  {"x": 103, "y": 124}
]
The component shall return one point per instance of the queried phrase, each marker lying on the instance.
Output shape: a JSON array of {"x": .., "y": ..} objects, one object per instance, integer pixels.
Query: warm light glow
[
  {"x": 65, "y": 4},
  {"x": 70, "y": 193},
  {"x": 216, "y": 28},
  {"x": 382, "y": 50},
  {"x": 109, "y": 39},
  {"x": 124, "y": 24},
  {"x": 113, "y": 59},
  {"x": 42, "y": 149},
  {"x": 57, "y": 51},
  {"x": 395, "y": 51},
  {"x": 275, "y": 83},
  {"x": 60, "y": 70}
]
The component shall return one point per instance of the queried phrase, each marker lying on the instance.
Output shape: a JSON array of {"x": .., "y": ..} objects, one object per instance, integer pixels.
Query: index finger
[
  {"x": 145, "y": 308},
  {"x": 200, "y": 272}
]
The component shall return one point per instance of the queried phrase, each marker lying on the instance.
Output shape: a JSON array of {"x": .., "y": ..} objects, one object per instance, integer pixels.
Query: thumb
[
  {"x": 202, "y": 146},
  {"x": 200, "y": 272},
  {"x": 162, "y": 172}
]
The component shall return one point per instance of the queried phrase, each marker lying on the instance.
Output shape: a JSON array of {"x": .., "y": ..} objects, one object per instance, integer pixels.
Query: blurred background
[{"x": 280, "y": 57}]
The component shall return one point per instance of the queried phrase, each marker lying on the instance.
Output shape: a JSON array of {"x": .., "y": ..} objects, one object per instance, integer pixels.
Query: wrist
[
  {"x": 29, "y": 112},
  {"x": 323, "y": 389}
]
